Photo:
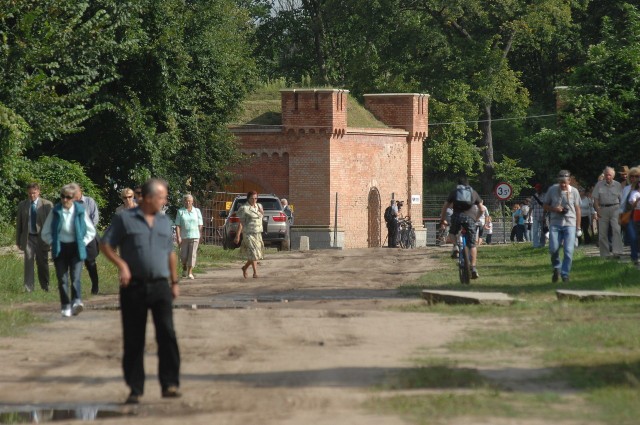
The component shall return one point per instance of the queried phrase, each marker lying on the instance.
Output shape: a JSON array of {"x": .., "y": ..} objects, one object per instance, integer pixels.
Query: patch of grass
[
  {"x": 524, "y": 272},
  {"x": 7, "y": 234},
  {"x": 264, "y": 107},
  {"x": 441, "y": 407},
  {"x": 13, "y": 322},
  {"x": 215, "y": 256},
  {"x": 12, "y": 290},
  {"x": 435, "y": 374},
  {"x": 592, "y": 348}
]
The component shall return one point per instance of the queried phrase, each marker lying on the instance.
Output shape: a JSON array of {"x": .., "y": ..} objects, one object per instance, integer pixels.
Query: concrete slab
[
  {"x": 565, "y": 294},
  {"x": 467, "y": 297}
]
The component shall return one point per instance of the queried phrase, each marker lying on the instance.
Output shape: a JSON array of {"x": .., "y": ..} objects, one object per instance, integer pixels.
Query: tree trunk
[{"x": 486, "y": 177}]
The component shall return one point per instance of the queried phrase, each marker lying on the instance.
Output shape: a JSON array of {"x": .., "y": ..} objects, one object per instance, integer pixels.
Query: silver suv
[{"x": 274, "y": 223}]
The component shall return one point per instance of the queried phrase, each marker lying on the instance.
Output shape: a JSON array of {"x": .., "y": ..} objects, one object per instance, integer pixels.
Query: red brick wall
[
  {"x": 313, "y": 156},
  {"x": 362, "y": 160},
  {"x": 323, "y": 109}
]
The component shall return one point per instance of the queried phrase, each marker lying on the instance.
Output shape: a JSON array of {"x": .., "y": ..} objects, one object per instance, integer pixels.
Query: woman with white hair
[
  {"x": 68, "y": 230},
  {"x": 188, "y": 227}
]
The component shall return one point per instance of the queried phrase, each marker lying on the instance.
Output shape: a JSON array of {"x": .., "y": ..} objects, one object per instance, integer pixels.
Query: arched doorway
[{"x": 373, "y": 205}]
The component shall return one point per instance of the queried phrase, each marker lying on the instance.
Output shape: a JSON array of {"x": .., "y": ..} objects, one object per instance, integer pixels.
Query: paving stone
[
  {"x": 565, "y": 294},
  {"x": 467, "y": 297}
]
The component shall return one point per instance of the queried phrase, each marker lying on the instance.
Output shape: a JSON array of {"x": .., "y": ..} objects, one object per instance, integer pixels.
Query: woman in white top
[
  {"x": 634, "y": 198},
  {"x": 250, "y": 215},
  {"x": 188, "y": 232},
  {"x": 586, "y": 213}
]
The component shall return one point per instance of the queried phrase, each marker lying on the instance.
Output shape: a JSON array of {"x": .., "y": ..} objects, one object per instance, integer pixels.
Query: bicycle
[
  {"x": 406, "y": 235},
  {"x": 464, "y": 257}
]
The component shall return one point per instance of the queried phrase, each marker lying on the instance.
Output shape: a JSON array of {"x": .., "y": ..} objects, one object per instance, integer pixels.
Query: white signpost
[{"x": 503, "y": 191}]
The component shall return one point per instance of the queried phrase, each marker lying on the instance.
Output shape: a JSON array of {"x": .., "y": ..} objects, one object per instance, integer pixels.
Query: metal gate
[
  {"x": 374, "y": 218},
  {"x": 211, "y": 208}
]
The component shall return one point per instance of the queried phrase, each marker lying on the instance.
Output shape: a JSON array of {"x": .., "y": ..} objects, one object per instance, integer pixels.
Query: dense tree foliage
[
  {"x": 127, "y": 89},
  {"x": 121, "y": 90},
  {"x": 598, "y": 124},
  {"x": 479, "y": 61}
]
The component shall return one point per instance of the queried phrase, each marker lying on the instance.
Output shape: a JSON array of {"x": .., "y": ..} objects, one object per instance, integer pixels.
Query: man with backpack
[
  {"x": 466, "y": 212},
  {"x": 391, "y": 218}
]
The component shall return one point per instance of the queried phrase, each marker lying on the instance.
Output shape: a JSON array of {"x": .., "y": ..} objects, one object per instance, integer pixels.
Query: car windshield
[{"x": 268, "y": 204}]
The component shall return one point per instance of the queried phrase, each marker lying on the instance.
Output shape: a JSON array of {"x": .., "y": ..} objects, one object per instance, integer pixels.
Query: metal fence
[{"x": 213, "y": 222}]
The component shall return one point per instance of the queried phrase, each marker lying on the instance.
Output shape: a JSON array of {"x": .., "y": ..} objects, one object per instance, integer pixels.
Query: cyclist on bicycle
[{"x": 466, "y": 211}]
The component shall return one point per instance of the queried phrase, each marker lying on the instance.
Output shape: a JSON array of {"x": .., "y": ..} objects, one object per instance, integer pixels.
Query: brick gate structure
[{"x": 313, "y": 155}]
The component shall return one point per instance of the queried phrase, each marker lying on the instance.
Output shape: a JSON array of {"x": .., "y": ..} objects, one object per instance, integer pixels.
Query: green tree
[
  {"x": 598, "y": 125},
  {"x": 177, "y": 88},
  {"x": 55, "y": 56}
]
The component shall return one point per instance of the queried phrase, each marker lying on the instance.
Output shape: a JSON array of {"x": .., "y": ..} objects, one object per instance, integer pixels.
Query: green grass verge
[
  {"x": 12, "y": 291},
  {"x": 13, "y": 322},
  {"x": 264, "y": 107},
  {"x": 591, "y": 350}
]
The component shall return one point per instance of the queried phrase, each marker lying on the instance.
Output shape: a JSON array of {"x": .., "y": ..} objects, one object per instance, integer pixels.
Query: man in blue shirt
[{"x": 148, "y": 281}]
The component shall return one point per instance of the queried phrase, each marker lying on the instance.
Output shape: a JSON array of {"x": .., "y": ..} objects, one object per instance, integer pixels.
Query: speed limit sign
[{"x": 503, "y": 191}]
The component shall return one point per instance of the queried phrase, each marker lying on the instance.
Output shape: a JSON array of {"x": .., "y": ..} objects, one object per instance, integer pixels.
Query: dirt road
[{"x": 303, "y": 344}]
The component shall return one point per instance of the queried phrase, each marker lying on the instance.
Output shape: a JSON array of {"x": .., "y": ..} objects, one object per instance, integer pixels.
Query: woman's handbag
[{"x": 625, "y": 217}]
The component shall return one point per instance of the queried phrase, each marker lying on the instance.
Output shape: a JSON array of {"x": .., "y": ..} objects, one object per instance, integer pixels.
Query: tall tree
[
  {"x": 600, "y": 108},
  {"x": 176, "y": 90}
]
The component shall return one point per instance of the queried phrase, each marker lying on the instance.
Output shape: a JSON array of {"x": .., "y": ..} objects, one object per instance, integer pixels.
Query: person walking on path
[
  {"x": 563, "y": 203},
  {"x": 188, "y": 229},
  {"x": 68, "y": 229},
  {"x": 250, "y": 215},
  {"x": 148, "y": 281},
  {"x": 32, "y": 213},
  {"x": 128, "y": 201},
  {"x": 586, "y": 208},
  {"x": 629, "y": 198},
  {"x": 606, "y": 197},
  {"x": 526, "y": 212},
  {"x": 286, "y": 208},
  {"x": 91, "y": 209}
]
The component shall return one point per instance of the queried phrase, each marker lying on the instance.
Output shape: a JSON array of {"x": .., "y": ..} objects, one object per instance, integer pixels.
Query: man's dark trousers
[
  {"x": 135, "y": 300},
  {"x": 392, "y": 233},
  {"x": 90, "y": 264}
]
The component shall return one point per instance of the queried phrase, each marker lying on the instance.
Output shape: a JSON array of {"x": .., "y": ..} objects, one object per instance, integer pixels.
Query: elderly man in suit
[{"x": 32, "y": 213}]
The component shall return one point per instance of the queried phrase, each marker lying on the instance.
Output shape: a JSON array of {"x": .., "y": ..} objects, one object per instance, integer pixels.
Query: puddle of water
[{"x": 40, "y": 414}]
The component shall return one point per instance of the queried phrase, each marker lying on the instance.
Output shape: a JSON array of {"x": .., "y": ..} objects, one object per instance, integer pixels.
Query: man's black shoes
[
  {"x": 556, "y": 274},
  {"x": 171, "y": 392},
  {"x": 132, "y": 399}
]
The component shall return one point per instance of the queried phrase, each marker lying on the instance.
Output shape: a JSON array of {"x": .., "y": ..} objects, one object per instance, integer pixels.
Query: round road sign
[{"x": 503, "y": 191}]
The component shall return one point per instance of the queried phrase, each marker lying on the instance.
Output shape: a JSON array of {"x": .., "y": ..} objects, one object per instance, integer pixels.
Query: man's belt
[{"x": 610, "y": 205}]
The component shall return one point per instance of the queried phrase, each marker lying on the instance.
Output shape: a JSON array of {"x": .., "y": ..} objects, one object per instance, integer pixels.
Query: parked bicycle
[{"x": 406, "y": 234}]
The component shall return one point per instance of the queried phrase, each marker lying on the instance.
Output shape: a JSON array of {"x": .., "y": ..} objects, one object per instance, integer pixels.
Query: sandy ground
[{"x": 303, "y": 344}]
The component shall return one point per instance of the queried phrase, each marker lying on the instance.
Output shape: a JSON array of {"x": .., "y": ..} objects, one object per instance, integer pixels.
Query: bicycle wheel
[
  {"x": 464, "y": 260},
  {"x": 412, "y": 239},
  {"x": 402, "y": 242}
]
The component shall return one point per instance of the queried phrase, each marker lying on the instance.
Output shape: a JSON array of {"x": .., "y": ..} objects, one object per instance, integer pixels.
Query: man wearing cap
[
  {"x": 539, "y": 217},
  {"x": 606, "y": 199},
  {"x": 563, "y": 204}
]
